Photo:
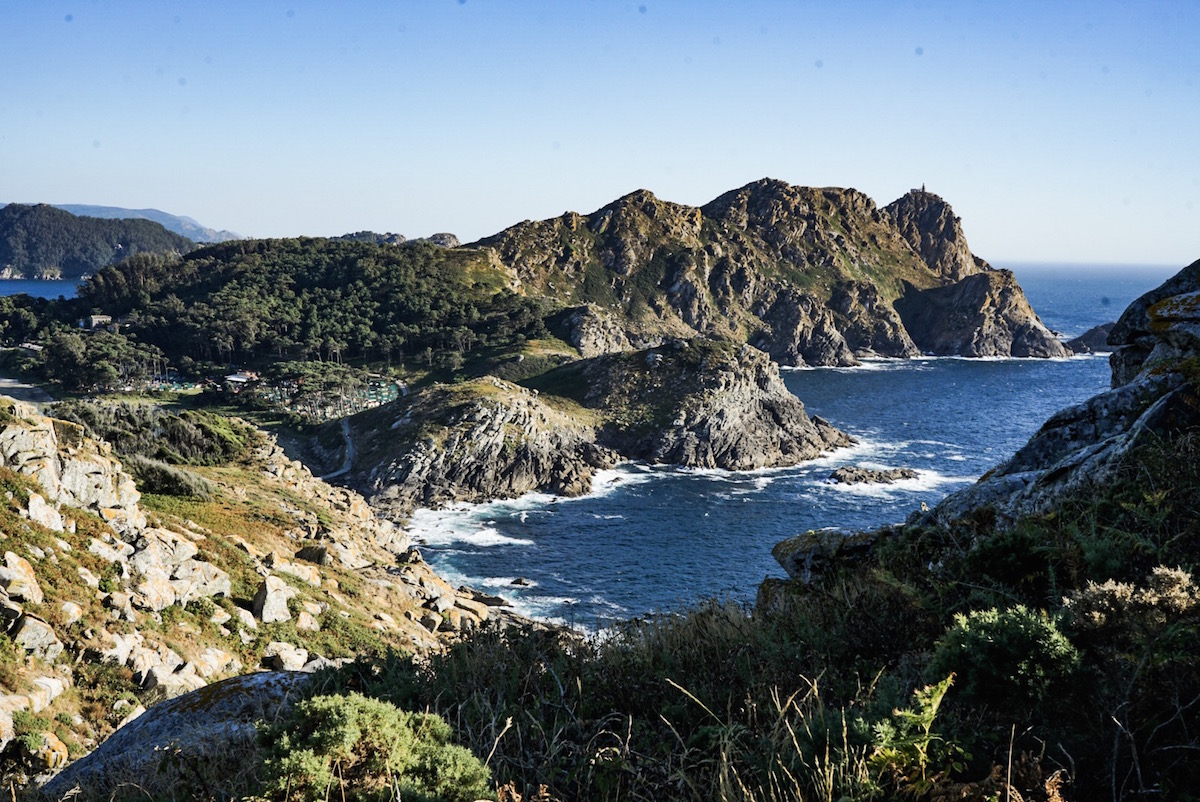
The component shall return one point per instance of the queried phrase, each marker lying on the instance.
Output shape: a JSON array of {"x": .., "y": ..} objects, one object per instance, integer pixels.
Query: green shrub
[
  {"x": 153, "y": 476},
  {"x": 368, "y": 749},
  {"x": 1014, "y": 657}
]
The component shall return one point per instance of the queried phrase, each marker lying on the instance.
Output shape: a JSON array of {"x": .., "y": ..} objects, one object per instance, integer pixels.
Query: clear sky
[{"x": 1059, "y": 131}]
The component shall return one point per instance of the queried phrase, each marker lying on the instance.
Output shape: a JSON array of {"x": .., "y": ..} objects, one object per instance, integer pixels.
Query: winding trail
[{"x": 349, "y": 458}]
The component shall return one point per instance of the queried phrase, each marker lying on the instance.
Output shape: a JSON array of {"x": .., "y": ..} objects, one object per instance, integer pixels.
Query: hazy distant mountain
[{"x": 184, "y": 226}]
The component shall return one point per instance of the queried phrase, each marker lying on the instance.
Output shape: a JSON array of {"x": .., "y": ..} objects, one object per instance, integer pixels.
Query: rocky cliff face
[
  {"x": 809, "y": 275},
  {"x": 473, "y": 442},
  {"x": 1154, "y": 392},
  {"x": 704, "y": 405},
  {"x": 930, "y": 226},
  {"x": 985, "y": 314},
  {"x": 695, "y": 403}
]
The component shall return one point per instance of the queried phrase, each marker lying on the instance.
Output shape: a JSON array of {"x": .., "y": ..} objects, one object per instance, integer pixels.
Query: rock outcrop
[
  {"x": 704, "y": 405},
  {"x": 985, "y": 314},
  {"x": 1094, "y": 340},
  {"x": 73, "y": 470},
  {"x": 1154, "y": 392},
  {"x": 472, "y": 442},
  {"x": 854, "y": 475},
  {"x": 930, "y": 226},
  {"x": 592, "y": 331},
  {"x": 695, "y": 403}
]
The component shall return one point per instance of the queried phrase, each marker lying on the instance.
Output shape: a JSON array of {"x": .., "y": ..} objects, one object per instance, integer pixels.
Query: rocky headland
[
  {"x": 694, "y": 403},
  {"x": 811, "y": 276}
]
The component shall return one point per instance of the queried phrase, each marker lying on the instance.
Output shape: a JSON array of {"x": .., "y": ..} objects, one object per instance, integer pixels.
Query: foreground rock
[
  {"x": 213, "y": 728},
  {"x": 1154, "y": 392}
]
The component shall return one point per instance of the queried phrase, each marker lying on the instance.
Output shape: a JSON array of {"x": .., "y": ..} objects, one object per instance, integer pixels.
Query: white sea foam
[
  {"x": 455, "y": 526},
  {"x": 508, "y": 583}
]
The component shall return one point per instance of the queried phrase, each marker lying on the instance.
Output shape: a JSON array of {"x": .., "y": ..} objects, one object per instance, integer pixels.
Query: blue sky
[{"x": 1064, "y": 131}]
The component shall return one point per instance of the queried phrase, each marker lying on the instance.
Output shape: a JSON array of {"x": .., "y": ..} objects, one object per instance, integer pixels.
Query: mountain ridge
[{"x": 761, "y": 264}]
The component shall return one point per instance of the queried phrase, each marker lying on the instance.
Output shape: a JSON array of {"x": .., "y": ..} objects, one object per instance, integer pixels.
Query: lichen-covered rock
[
  {"x": 154, "y": 591},
  {"x": 19, "y": 580},
  {"x": 36, "y": 637},
  {"x": 161, "y": 549},
  {"x": 285, "y": 656},
  {"x": 1161, "y": 327},
  {"x": 193, "y": 579},
  {"x": 43, "y": 514},
  {"x": 214, "y": 726}
]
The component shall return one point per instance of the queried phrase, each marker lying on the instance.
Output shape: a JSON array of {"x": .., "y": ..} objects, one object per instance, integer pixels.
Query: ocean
[
  {"x": 652, "y": 539},
  {"x": 38, "y": 289}
]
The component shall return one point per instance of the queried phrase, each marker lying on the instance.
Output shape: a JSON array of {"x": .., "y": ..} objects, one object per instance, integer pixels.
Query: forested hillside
[
  {"x": 314, "y": 299},
  {"x": 44, "y": 242}
]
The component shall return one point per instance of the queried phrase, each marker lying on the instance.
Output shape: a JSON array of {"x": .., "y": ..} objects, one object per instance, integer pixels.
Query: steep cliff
[{"x": 985, "y": 314}]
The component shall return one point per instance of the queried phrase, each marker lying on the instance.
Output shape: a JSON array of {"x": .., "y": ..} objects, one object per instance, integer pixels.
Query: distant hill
[
  {"x": 45, "y": 242},
  {"x": 184, "y": 226}
]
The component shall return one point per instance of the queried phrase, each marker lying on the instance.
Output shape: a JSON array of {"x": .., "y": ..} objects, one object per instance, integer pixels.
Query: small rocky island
[{"x": 854, "y": 475}]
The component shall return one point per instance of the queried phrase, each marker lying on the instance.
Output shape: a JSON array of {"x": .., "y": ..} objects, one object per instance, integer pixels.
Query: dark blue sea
[
  {"x": 652, "y": 539},
  {"x": 38, "y": 289}
]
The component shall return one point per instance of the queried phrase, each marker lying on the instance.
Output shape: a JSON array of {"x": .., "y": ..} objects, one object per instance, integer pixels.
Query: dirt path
[
  {"x": 349, "y": 458},
  {"x": 23, "y": 391}
]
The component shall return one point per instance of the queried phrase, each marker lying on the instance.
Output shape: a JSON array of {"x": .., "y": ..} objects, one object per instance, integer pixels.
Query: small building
[
  {"x": 95, "y": 321},
  {"x": 236, "y": 382}
]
